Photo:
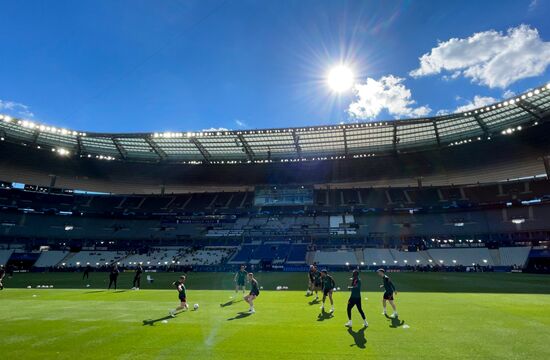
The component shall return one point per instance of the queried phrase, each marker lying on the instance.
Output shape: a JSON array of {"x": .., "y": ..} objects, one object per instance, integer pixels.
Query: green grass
[{"x": 504, "y": 322}]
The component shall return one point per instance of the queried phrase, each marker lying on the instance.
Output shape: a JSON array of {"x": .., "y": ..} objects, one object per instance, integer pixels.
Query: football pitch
[{"x": 443, "y": 316}]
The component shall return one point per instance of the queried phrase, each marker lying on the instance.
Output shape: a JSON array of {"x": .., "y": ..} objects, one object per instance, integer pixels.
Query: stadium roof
[{"x": 355, "y": 140}]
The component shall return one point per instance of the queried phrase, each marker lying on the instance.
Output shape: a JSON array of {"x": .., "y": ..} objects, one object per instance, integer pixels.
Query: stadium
[{"x": 453, "y": 208}]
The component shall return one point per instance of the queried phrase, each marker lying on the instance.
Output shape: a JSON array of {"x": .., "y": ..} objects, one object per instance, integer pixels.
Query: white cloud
[
  {"x": 240, "y": 123},
  {"x": 16, "y": 109},
  {"x": 387, "y": 93},
  {"x": 508, "y": 94},
  {"x": 213, "y": 129},
  {"x": 490, "y": 58},
  {"x": 533, "y": 5},
  {"x": 479, "y": 101}
]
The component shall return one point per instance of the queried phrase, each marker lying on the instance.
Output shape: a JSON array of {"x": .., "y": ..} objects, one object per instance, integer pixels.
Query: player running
[
  {"x": 240, "y": 278},
  {"x": 328, "y": 287},
  {"x": 314, "y": 277},
  {"x": 389, "y": 292},
  {"x": 113, "y": 276},
  {"x": 182, "y": 296},
  {"x": 355, "y": 298},
  {"x": 254, "y": 292},
  {"x": 2, "y": 275},
  {"x": 137, "y": 278}
]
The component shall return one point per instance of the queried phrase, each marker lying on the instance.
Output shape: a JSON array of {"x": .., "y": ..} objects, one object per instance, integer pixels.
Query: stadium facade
[{"x": 400, "y": 193}]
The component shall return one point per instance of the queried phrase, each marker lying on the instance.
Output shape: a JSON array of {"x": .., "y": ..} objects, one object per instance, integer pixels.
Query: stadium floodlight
[
  {"x": 395, "y": 261},
  {"x": 417, "y": 261},
  {"x": 374, "y": 263},
  {"x": 518, "y": 221},
  {"x": 383, "y": 261},
  {"x": 485, "y": 261},
  {"x": 430, "y": 260},
  {"x": 362, "y": 263},
  {"x": 347, "y": 263},
  {"x": 441, "y": 261},
  {"x": 454, "y": 261}
]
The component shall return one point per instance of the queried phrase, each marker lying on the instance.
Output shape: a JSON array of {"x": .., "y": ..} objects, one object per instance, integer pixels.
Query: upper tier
[{"x": 289, "y": 145}]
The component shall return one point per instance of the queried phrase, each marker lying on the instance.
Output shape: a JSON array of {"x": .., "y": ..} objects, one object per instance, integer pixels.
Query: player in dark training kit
[
  {"x": 389, "y": 292},
  {"x": 113, "y": 276},
  {"x": 86, "y": 274},
  {"x": 2, "y": 275},
  {"x": 328, "y": 287},
  {"x": 240, "y": 278},
  {"x": 254, "y": 292},
  {"x": 314, "y": 277},
  {"x": 137, "y": 278},
  {"x": 182, "y": 296},
  {"x": 355, "y": 298}
]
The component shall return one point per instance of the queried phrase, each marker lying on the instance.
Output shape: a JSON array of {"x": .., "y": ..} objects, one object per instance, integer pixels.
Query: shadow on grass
[
  {"x": 395, "y": 321},
  {"x": 314, "y": 302},
  {"x": 151, "y": 322},
  {"x": 94, "y": 291},
  {"x": 230, "y": 302},
  {"x": 240, "y": 315},
  {"x": 358, "y": 337},
  {"x": 323, "y": 315},
  {"x": 119, "y": 291}
]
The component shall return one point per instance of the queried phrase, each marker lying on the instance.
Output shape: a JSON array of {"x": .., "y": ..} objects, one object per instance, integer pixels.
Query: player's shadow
[
  {"x": 95, "y": 291},
  {"x": 358, "y": 337},
  {"x": 152, "y": 322},
  {"x": 229, "y": 303},
  {"x": 240, "y": 315},
  {"x": 314, "y": 302},
  {"x": 323, "y": 315},
  {"x": 395, "y": 321}
]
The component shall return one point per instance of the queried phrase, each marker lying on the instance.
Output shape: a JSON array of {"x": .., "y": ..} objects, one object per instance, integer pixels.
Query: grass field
[{"x": 464, "y": 316}]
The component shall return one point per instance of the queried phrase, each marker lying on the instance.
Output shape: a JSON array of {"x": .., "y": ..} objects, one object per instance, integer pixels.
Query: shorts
[
  {"x": 317, "y": 285},
  {"x": 354, "y": 301},
  {"x": 240, "y": 283},
  {"x": 388, "y": 295},
  {"x": 327, "y": 291},
  {"x": 182, "y": 298},
  {"x": 254, "y": 294}
]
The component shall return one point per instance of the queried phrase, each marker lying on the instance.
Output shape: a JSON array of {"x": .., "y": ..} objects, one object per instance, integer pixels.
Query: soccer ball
[
  {"x": 87, "y": 285},
  {"x": 196, "y": 306}
]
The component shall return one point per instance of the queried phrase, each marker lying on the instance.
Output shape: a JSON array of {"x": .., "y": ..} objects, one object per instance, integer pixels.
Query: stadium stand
[{"x": 49, "y": 259}]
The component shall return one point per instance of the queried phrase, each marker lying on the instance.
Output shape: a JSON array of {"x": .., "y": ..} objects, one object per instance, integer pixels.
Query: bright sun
[{"x": 340, "y": 78}]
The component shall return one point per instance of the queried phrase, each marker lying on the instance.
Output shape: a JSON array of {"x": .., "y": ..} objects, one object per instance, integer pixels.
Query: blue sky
[{"x": 130, "y": 66}]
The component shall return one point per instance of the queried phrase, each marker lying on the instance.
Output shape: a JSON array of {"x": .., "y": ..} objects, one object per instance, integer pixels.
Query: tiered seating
[
  {"x": 208, "y": 256},
  {"x": 340, "y": 257},
  {"x": 465, "y": 256},
  {"x": 297, "y": 254},
  {"x": 510, "y": 256},
  {"x": 270, "y": 251},
  {"x": 409, "y": 258},
  {"x": 5, "y": 256},
  {"x": 155, "y": 257},
  {"x": 50, "y": 258},
  {"x": 243, "y": 255},
  {"x": 94, "y": 258},
  {"x": 377, "y": 256}
]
